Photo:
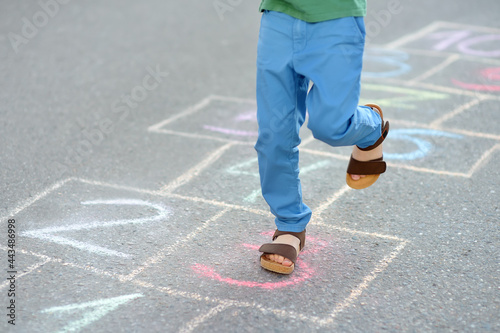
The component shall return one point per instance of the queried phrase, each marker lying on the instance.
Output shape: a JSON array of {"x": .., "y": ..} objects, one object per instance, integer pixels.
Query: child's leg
[
  {"x": 333, "y": 61},
  {"x": 281, "y": 110}
]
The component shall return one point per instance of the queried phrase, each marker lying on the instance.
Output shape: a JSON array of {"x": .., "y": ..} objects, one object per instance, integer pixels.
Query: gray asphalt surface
[{"x": 127, "y": 163}]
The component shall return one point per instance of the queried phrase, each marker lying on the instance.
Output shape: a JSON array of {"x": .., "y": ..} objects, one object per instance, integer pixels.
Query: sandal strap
[
  {"x": 372, "y": 167},
  {"x": 284, "y": 250},
  {"x": 300, "y": 235}
]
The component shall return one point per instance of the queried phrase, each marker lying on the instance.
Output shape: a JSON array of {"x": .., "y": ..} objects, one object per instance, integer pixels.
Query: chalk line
[
  {"x": 457, "y": 111},
  {"x": 323, "y": 206},
  {"x": 168, "y": 250},
  {"x": 35, "y": 198},
  {"x": 189, "y": 111},
  {"x": 448, "y": 61},
  {"x": 191, "y": 325},
  {"x": 26, "y": 272},
  {"x": 202, "y": 137},
  {"x": 414, "y": 36},
  {"x": 482, "y": 160},
  {"x": 196, "y": 170},
  {"x": 47, "y": 234},
  {"x": 101, "y": 308},
  {"x": 381, "y": 266}
]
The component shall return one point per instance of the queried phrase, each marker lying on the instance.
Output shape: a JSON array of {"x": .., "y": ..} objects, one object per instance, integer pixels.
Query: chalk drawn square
[
  {"x": 215, "y": 117},
  {"x": 105, "y": 227},
  {"x": 234, "y": 179},
  {"x": 448, "y": 37},
  {"x": 223, "y": 263},
  {"x": 414, "y": 104},
  {"x": 61, "y": 298}
]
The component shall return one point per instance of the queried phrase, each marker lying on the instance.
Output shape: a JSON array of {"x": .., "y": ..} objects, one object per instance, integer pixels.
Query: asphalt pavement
[{"x": 131, "y": 198}]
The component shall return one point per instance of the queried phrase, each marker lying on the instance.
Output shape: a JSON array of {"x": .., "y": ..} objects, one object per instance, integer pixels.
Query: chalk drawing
[
  {"x": 47, "y": 234},
  {"x": 247, "y": 116},
  {"x": 302, "y": 271},
  {"x": 407, "y": 97},
  {"x": 395, "y": 59},
  {"x": 93, "y": 311},
  {"x": 237, "y": 169},
  {"x": 231, "y": 131},
  {"x": 464, "y": 42},
  {"x": 488, "y": 75},
  {"x": 423, "y": 146}
]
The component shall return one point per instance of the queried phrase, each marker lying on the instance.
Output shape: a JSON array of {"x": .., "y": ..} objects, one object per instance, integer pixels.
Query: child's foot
[
  {"x": 363, "y": 156},
  {"x": 284, "y": 239},
  {"x": 366, "y": 165},
  {"x": 280, "y": 255}
]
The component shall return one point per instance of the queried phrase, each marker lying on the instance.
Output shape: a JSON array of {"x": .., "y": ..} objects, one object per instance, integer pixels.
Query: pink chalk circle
[
  {"x": 466, "y": 46},
  {"x": 301, "y": 273}
]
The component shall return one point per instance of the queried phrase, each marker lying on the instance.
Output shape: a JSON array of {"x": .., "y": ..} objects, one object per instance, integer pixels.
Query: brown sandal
[
  {"x": 373, "y": 168},
  {"x": 285, "y": 250}
]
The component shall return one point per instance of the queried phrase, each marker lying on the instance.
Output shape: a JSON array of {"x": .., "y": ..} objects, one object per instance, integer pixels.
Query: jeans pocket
[{"x": 359, "y": 26}]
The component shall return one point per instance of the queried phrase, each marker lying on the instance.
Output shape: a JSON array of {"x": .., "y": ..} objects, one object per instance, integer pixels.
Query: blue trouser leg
[{"x": 292, "y": 52}]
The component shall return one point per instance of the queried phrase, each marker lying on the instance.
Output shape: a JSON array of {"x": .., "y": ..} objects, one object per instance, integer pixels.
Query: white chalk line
[
  {"x": 47, "y": 234},
  {"x": 169, "y": 250},
  {"x": 381, "y": 266},
  {"x": 197, "y": 107},
  {"x": 196, "y": 170},
  {"x": 190, "y": 110},
  {"x": 406, "y": 39},
  {"x": 438, "y": 122},
  {"x": 483, "y": 159},
  {"x": 28, "y": 270},
  {"x": 323, "y": 206},
  {"x": 197, "y": 321},
  {"x": 20, "y": 207},
  {"x": 448, "y": 61},
  {"x": 206, "y": 137}
]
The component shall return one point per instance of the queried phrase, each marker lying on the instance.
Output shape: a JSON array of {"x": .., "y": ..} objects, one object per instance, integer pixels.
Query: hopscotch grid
[
  {"x": 127, "y": 278},
  {"x": 166, "y": 192}
]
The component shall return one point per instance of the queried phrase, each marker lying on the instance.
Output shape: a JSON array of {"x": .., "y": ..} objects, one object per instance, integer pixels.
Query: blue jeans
[{"x": 291, "y": 53}]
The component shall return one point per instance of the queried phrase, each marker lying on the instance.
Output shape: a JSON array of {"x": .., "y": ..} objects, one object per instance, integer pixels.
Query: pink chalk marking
[
  {"x": 247, "y": 116},
  {"x": 302, "y": 273},
  {"x": 491, "y": 73},
  {"x": 230, "y": 131},
  {"x": 477, "y": 87}
]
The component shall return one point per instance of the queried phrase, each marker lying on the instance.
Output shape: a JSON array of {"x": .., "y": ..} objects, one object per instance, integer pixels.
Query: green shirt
[{"x": 316, "y": 10}]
